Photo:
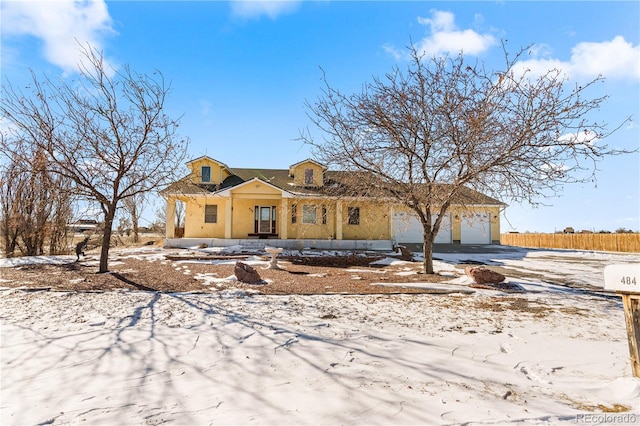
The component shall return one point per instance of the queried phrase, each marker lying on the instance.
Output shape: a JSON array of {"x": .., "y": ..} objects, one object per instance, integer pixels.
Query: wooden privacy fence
[{"x": 599, "y": 242}]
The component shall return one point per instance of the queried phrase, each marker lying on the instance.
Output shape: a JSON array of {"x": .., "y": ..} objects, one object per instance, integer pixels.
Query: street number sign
[{"x": 623, "y": 278}]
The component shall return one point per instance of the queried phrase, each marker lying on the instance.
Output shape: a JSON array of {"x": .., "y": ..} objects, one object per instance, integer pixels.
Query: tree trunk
[
  {"x": 10, "y": 237},
  {"x": 10, "y": 249},
  {"x": 427, "y": 253},
  {"x": 31, "y": 243},
  {"x": 134, "y": 224},
  {"x": 110, "y": 213}
]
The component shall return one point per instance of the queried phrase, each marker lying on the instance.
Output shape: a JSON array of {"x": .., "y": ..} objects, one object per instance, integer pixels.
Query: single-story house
[
  {"x": 291, "y": 208},
  {"x": 83, "y": 225}
]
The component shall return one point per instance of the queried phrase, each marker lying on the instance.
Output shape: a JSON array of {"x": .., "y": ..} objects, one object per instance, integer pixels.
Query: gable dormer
[
  {"x": 207, "y": 171},
  {"x": 307, "y": 173}
]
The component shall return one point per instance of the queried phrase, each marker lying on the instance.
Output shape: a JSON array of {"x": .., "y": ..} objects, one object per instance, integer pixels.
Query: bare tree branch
[
  {"x": 107, "y": 132},
  {"x": 425, "y": 135}
]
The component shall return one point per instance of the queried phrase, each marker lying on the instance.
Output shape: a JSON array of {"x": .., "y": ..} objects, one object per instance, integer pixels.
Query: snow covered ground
[{"x": 549, "y": 355}]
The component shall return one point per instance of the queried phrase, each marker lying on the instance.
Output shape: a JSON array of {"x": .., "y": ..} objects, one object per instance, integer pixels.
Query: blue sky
[{"x": 242, "y": 71}]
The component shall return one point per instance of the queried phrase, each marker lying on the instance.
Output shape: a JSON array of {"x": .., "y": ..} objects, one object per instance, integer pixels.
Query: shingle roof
[
  {"x": 206, "y": 157},
  {"x": 276, "y": 177},
  {"x": 185, "y": 186},
  {"x": 280, "y": 178}
]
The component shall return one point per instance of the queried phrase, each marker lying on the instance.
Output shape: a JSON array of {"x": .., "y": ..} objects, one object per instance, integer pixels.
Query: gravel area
[{"x": 299, "y": 275}]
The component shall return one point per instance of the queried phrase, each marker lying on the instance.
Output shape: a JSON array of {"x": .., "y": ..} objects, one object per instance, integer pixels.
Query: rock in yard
[
  {"x": 405, "y": 253},
  {"x": 482, "y": 275},
  {"x": 246, "y": 273}
]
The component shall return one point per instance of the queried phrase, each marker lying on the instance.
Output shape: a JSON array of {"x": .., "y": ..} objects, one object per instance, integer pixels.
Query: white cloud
[
  {"x": 585, "y": 137},
  {"x": 62, "y": 25},
  {"x": 614, "y": 59},
  {"x": 538, "y": 67},
  {"x": 8, "y": 127},
  {"x": 206, "y": 107},
  {"x": 445, "y": 37},
  {"x": 249, "y": 9},
  {"x": 392, "y": 51},
  {"x": 540, "y": 50},
  {"x": 440, "y": 21}
]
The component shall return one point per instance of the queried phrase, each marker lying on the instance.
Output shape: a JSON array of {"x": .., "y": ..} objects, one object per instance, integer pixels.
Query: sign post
[{"x": 625, "y": 280}]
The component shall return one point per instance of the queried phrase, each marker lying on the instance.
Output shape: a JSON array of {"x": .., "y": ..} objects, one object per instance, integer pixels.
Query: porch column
[
  {"x": 338, "y": 220},
  {"x": 228, "y": 217},
  {"x": 392, "y": 225},
  {"x": 170, "y": 225},
  {"x": 284, "y": 218}
]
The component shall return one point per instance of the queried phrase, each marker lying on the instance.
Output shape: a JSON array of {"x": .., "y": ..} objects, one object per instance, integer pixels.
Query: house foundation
[{"x": 377, "y": 245}]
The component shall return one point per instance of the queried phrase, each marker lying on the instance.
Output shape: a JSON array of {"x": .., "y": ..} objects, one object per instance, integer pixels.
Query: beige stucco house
[{"x": 290, "y": 208}]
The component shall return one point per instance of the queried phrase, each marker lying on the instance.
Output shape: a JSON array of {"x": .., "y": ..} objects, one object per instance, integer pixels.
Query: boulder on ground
[
  {"x": 405, "y": 253},
  {"x": 246, "y": 273},
  {"x": 482, "y": 275}
]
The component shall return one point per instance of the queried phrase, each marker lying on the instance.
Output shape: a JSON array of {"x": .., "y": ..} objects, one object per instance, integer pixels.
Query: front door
[
  {"x": 265, "y": 219},
  {"x": 264, "y": 227}
]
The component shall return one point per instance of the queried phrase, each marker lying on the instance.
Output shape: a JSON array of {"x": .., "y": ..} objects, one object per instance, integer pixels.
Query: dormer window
[
  {"x": 307, "y": 173},
  {"x": 206, "y": 173},
  {"x": 308, "y": 176}
]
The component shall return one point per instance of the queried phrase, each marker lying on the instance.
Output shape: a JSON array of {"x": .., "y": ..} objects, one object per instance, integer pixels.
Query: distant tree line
[
  {"x": 604, "y": 231},
  {"x": 570, "y": 230},
  {"x": 35, "y": 207}
]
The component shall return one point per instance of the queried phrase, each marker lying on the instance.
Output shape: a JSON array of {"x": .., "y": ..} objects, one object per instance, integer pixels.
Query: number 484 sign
[
  {"x": 625, "y": 280},
  {"x": 622, "y": 278}
]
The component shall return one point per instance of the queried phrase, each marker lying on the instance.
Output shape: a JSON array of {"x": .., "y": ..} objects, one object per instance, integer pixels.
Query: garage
[
  {"x": 407, "y": 229},
  {"x": 475, "y": 228}
]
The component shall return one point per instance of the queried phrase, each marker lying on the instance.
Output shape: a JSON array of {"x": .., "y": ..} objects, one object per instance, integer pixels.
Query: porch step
[{"x": 254, "y": 245}]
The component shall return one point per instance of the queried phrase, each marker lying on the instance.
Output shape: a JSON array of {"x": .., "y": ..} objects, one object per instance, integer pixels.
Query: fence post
[{"x": 632, "y": 318}]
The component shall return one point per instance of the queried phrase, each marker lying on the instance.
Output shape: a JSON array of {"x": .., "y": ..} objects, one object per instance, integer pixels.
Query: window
[
  {"x": 308, "y": 176},
  {"x": 354, "y": 215},
  {"x": 324, "y": 215},
  {"x": 309, "y": 214},
  {"x": 294, "y": 213},
  {"x": 211, "y": 213},
  {"x": 206, "y": 174}
]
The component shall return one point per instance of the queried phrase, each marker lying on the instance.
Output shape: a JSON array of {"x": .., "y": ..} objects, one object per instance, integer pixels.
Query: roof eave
[{"x": 227, "y": 191}]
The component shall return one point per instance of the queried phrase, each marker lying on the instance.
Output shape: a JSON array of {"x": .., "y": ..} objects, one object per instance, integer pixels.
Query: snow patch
[{"x": 389, "y": 261}]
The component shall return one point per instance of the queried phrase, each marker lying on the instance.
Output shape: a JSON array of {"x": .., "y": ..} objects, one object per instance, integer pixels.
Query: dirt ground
[{"x": 299, "y": 275}]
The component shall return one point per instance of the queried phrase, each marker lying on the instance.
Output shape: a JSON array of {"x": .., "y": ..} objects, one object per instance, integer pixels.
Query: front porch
[
  {"x": 258, "y": 236},
  {"x": 298, "y": 244}
]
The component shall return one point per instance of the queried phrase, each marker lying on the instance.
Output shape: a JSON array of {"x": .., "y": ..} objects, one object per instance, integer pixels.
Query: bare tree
[
  {"x": 35, "y": 206},
  {"x": 61, "y": 215},
  {"x": 134, "y": 205},
  {"x": 160, "y": 221},
  {"x": 10, "y": 185},
  {"x": 124, "y": 226},
  {"x": 422, "y": 137},
  {"x": 180, "y": 213},
  {"x": 107, "y": 132}
]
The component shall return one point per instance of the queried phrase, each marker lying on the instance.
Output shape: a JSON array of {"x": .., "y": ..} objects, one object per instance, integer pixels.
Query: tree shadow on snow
[{"x": 174, "y": 356}]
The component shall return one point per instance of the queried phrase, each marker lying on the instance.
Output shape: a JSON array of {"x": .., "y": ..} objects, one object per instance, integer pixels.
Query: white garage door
[
  {"x": 408, "y": 229},
  {"x": 475, "y": 229}
]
